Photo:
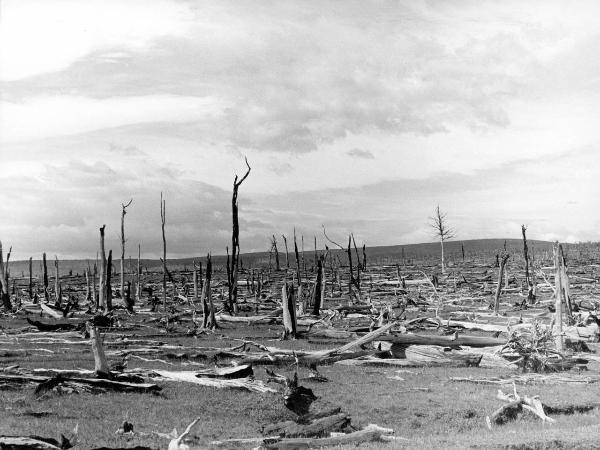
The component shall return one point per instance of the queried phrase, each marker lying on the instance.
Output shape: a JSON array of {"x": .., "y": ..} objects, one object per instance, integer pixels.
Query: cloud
[{"x": 358, "y": 153}]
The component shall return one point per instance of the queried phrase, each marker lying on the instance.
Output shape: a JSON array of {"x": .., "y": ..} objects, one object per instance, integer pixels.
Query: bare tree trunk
[
  {"x": 88, "y": 291},
  {"x": 109, "y": 268},
  {"x": 208, "y": 308},
  {"x": 138, "y": 289},
  {"x": 57, "y": 290},
  {"x": 277, "y": 266},
  {"x": 123, "y": 212},
  {"x": 288, "y": 301},
  {"x": 102, "y": 274},
  {"x": 100, "y": 362},
  {"x": 443, "y": 259},
  {"x": 235, "y": 242},
  {"x": 318, "y": 292},
  {"x": 287, "y": 258},
  {"x": 4, "y": 280},
  {"x": 45, "y": 278},
  {"x": 525, "y": 254},
  {"x": 298, "y": 274},
  {"x": 558, "y": 322},
  {"x": 30, "y": 278},
  {"x": 503, "y": 261},
  {"x": 163, "y": 218}
]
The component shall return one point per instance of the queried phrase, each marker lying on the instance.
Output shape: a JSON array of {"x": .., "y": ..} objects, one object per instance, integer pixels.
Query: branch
[
  {"x": 238, "y": 183},
  {"x": 333, "y": 242}
]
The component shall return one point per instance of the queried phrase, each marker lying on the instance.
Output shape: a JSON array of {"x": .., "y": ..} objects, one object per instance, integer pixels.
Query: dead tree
[
  {"x": 298, "y": 273},
  {"x": 109, "y": 267},
  {"x": 440, "y": 224},
  {"x": 94, "y": 295},
  {"x": 163, "y": 218},
  {"x": 525, "y": 255},
  {"x": 123, "y": 212},
  {"x": 288, "y": 302},
  {"x": 208, "y": 308},
  {"x": 364, "y": 253},
  {"x": 102, "y": 274},
  {"x": 4, "y": 280},
  {"x": 287, "y": 258},
  {"x": 138, "y": 284},
  {"x": 235, "y": 241},
  {"x": 45, "y": 278},
  {"x": 318, "y": 293},
  {"x": 503, "y": 261},
  {"x": 274, "y": 250},
  {"x": 30, "y": 278},
  {"x": 57, "y": 289}
]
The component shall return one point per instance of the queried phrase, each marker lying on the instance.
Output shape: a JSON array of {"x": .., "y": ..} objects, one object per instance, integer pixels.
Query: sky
[{"x": 360, "y": 116}]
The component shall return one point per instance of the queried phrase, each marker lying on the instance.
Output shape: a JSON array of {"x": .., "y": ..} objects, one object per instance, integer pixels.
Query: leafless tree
[
  {"x": 235, "y": 241},
  {"x": 163, "y": 219},
  {"x": 439, "y": 223},
  {"x": 123, "y": 212}
]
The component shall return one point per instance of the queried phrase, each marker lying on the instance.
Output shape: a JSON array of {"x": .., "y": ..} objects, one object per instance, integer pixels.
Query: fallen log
[
  {"x": 192, "y": 377},
  {"x": 319, "y": 427},
  {"x": 46, "y": 327},
  {"x": 444, "y": 341}
]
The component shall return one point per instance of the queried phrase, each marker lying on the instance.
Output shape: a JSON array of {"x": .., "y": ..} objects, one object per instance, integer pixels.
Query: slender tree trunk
[
  {"x": 57, "y": 283},
  {"x": 123, "y": 212},
  {"x": 288, "y": 302},
  {"x": 443, "y": 260},
  {"x": 208, "y": 308},
  {"x": 4, "y": 281},
  {"x": 163, "y": 218},
  {"x": 45, "y": 278},
  {"x": 499, "y": 286},
  {"x": 287, "y": 256},
  {"x": 318, "y": 292},
  {"x": 108, "y": 305},
  {"x": 30, "y": 278},
  {"x": 138, "y": 289},
  {"x": 102, "y": 275},
  {"x": 558, "y": 322}
]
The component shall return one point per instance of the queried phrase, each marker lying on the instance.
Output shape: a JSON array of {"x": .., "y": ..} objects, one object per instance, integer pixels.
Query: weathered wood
[
  {"x": 288, "y": 302},
  {"x": 102, "y": 274},
  {"x": 446, "y": 341},
  {"x": 505, "y": 257},
  {"x": 100, "y": 363}
]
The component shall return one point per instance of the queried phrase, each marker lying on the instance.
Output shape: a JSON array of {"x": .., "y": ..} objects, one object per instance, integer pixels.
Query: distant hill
[{"x": 382, "y": 254}]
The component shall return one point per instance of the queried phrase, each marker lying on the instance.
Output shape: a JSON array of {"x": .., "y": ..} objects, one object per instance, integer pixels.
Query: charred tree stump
[
  {"x": 102, "y": 275},
  {"x": 45, "y": 278},
  {"x": 319, "y": 287},
  {"x": 108, "y": 304},
  {"x": 4, "y": 280},
  {"x": 208, "y": 308}
]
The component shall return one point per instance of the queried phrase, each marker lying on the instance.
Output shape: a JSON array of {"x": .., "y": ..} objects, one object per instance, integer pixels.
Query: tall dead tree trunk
[
  {"x": 274, "y": 247},
  {"x": 109, "y": 269},
  {"x": 442, "y": 230},
  {"x": 364, "y": 252},
  {"x": 525, "y": 254},
  {"x": 30, "y": 278},
  {"x": 319, "y": 289},
  {"x": 298, "y": 272},
  {"x": 288, "y": 302},
  {"x": 208, "y": 308},
  {"x": 45, "y": 278},
  {"x": 102, "y": 274},
  {"x": 4, "y": 280},
  {"x": 235, "y": 241},
  {"x": 57, "y": 289},
  {"x": 163, "y": 219},
  {"x": 559, "y": 292},
  {"x": 88, "y": 290},
  {"x": 503, "y": 261},
  {"x": 138, "y": 284},
  {"x": 287, "y": 257},
  {"x": 123, "y": 212}
]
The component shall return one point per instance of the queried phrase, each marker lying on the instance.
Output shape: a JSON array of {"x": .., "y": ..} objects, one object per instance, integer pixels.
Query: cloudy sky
[{"x": 361, "y": 116}]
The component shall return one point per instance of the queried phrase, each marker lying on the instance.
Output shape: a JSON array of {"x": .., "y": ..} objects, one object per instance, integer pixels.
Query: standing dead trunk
[
  {"x": 163, "y": 218},
  {"x": 503, "y": 261},
  {"x": 559, "y": 292},
  {"x": 4, "y": 280},
  {"x": 208, "y": 307},
  {"x": 138, "y": 284},
  {"x": 525, "y": 255},
  {"x": 57, "y": 290},
  {"x": 88, "y": 291},
  {"x": 235, "y": 241},
  {"x": 45, "y": 278},
  {"x": 123, "y": 212},
  {"x": 274, "y": 248},
  {"x": 108, "y": 304},
  {"x": 128, "y": 299},
  {"x": 30, "y": 278},
  {"x": 287, "y": 256},
  {"x": 319, "y": 289},
  {"x": 288, "y": 302},
  {"x": 364, "y": 252},
  {"x": 298, "y": 274},
  {"x": 94, "y": 295},
  {"x": 100, "y": 362},
  {"x": 102, "y": 274}
]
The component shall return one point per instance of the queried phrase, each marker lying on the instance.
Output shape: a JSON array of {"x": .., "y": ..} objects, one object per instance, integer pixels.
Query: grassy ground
[{"x": 421, "y": 405}]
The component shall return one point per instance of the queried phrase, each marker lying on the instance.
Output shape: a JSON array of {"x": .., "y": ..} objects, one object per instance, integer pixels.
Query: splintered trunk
[
  {"x": 57, "y": 293},
  {"x": 287, "y": 255},
  {"x": 163, "y": 218},
  {"x": 45, "y": 278},
  {"x": 102, "y": 274},
  {"x": 298, "y": 274},
  {"x": 277, "y": 266},
  {"x": 30, "y": 278},
  {"x": 558, "y": 321},
  {"x": 94, "y": 295},
  {"x": 4, "y": 280},
  {"x": 525, "y": 254},
  {"x": 499, "y": 286},
  {"x": 208, "y": 308},
  {"x": 128, "y": 299},
  {"x": 319, "y": 288},
  {"x": 235, "y": 242},
  {"x": 100, "y": 362},
  {"x": 138, "y": 289},
  {"x": 350, "y": 270},
  {"x": 288, "y": 302},
  {"x": 108, "y": 304},
  {"x": 364, "y": 253},
  {"x": 87, "y": 284},
  {"x": 123, "y": 212}
]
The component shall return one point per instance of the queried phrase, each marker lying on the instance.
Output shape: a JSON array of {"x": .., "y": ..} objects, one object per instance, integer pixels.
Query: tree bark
[
  {"x": 123, "y": 212},
  {"x": 288, "y": 302},
  {"x": 505, "y": 257},
  {"x": 102, "y": 274},
  {"x": 163, "y": 218}
]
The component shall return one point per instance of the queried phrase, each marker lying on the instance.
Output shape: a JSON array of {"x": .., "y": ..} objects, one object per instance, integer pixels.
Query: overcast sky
[{"x": 361, "y": 116}]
